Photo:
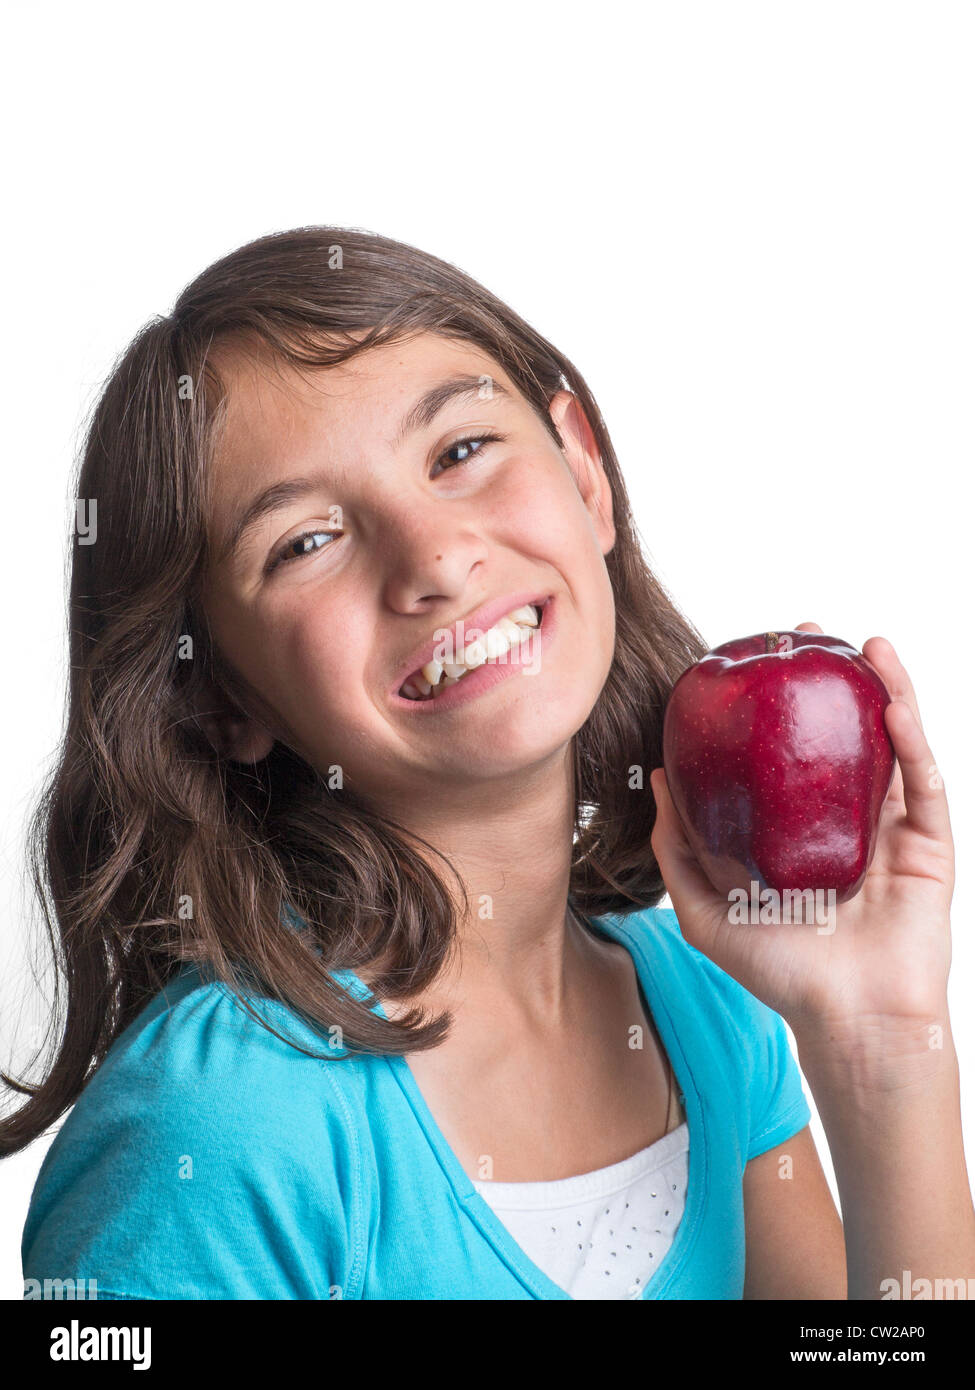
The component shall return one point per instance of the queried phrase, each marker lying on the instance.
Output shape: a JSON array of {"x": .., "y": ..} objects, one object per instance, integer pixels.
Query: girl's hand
[{"x": 886, "y": 961}]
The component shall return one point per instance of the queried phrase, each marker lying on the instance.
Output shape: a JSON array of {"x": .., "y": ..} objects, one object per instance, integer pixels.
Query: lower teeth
[
  {"x": 444, "y": 682},
  {"x": 441, "y": 685}
]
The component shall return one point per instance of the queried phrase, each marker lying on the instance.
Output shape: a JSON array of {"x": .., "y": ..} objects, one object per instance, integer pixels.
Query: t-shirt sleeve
[
  {"x": 778, "y": 1107},
  {"x": 205, "y": 1159}
]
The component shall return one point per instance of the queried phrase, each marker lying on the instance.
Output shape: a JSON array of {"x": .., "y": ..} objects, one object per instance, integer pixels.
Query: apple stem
[{"x": 771, "y": 642}]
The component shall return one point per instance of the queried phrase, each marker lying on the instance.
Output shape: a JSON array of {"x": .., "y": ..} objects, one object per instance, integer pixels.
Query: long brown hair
[{"x": 147, "y": 848}]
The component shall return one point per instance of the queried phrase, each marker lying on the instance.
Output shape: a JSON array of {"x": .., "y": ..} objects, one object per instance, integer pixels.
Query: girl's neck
[{"x": 495, "y": 977}]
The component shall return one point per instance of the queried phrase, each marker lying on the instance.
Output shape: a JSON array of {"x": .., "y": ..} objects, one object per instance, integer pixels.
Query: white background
[{"x": 749, "y": 225}]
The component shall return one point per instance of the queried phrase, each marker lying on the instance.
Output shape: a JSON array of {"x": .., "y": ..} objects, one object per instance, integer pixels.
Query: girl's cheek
[{"x": 534, "y": 502}]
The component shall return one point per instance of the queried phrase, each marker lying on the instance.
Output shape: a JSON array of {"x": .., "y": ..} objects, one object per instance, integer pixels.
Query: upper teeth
[{"x": 515, "y": 627}]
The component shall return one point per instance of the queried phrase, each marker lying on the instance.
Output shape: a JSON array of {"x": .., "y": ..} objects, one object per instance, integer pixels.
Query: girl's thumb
[{"x": 689, "y": 887}]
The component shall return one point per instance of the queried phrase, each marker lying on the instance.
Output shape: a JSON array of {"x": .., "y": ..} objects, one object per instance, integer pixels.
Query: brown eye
[
  {"x": 463, "y": 446},
  {"x": 303, "y": 541}
]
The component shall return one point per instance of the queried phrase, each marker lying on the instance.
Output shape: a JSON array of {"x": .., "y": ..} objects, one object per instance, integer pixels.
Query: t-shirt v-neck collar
[{"x": 650, "y": 976}]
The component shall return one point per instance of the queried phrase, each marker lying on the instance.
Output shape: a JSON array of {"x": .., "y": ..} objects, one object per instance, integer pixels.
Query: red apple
[{"x": 778, "y": 762}]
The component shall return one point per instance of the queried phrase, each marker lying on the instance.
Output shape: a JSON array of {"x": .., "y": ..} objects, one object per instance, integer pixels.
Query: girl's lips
[
  {"x": 492, "y": 672},
  {"x": 463, "y": 630}
]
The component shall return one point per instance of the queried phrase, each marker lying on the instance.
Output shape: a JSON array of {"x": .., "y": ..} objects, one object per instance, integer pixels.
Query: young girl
[{"x": 353, "y": 851}]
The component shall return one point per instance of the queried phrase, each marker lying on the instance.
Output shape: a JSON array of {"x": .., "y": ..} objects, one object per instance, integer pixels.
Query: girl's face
[{"x": 394, "y": 516}]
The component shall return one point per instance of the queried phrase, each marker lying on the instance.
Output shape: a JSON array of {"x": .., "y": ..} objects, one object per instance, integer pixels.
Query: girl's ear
[
  {"x": 232, "y": 733},
  {"x": 582, "y": 455}
]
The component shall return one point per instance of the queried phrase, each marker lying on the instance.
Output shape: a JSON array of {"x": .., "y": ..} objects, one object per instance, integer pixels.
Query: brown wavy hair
[{"x": 147, "y": 848}]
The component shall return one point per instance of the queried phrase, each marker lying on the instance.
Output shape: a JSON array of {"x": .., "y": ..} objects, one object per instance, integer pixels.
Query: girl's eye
[
  {"x": 464, "y": 445},
  {"x": 282, "y": 557}
]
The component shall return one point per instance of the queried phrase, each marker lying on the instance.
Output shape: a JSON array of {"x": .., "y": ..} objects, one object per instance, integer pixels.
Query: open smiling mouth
[{"x": 507, "y": 634}]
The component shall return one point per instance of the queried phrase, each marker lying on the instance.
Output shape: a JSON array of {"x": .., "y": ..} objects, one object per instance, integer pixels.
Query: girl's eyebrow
[{"x": 420, "y": 414}]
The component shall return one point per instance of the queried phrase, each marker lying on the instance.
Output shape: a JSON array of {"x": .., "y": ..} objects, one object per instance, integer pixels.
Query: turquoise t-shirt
[{"x": 208, "y": 1159}]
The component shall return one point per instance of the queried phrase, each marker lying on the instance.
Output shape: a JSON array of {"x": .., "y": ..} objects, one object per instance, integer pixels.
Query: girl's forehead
[{"x": 378, "y": 378}]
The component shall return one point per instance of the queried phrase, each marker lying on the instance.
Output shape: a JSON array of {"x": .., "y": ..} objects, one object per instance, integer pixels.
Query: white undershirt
[{"x": 600, "y": 1234}]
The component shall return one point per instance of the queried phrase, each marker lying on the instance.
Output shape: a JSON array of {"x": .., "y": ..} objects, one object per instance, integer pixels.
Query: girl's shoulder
[
  {"x": 199, "y": 1038},
  {"x": 202, "y": 1150},
  {"x": 657, "y": 932},
  {"x": 244, "y": 1081}
]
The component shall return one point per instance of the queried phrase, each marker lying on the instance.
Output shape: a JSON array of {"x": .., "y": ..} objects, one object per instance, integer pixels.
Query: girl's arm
[
  {"x": 867, "y": 1004},
  {"x": 894, "y": 1133},
  {"x": 793, "y": 1233},
  {"x": 890, "y": 1105}
]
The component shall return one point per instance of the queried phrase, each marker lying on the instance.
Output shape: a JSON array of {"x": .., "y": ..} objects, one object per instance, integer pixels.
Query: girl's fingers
[
  {"x": 807, "y": 627},
  {"x": 882, "y": 657},
  {"x": 925, "y": 801}
]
